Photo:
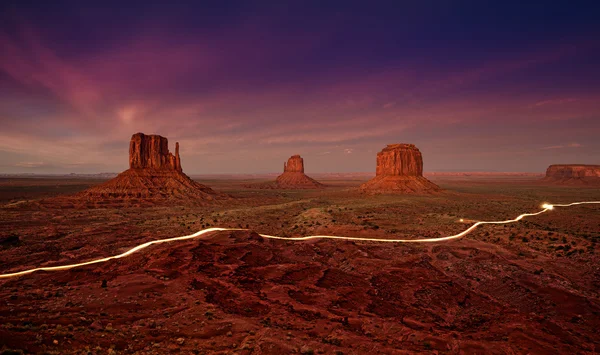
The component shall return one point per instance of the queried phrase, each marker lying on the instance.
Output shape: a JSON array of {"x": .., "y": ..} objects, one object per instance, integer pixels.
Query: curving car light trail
[{"x": 545, "y": 208}]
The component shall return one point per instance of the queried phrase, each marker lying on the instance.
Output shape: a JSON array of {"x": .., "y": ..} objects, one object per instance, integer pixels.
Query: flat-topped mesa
[
  {"x": 399, "y": 170},
  {"x": 566, "y": 171},
  {"x": 295, "y": 164},
  {"x": 400, "y": 159},
  {"x": 152, "y": 151},
  {"x": 573, "y": 174}
]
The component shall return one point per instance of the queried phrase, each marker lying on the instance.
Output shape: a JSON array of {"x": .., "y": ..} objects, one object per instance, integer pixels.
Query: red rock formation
[
  {"x": 399, "y": 169},
  {"x": 177, "y": 158},
  {"x": 293, "y": 177},
  {"x": 152, "y": 151},
  {"x": 573, "y": 174},
  {"x": 154, "y": 175},
  {"x": 400, "y": 159},
  {"x": 295, "y": 164}
]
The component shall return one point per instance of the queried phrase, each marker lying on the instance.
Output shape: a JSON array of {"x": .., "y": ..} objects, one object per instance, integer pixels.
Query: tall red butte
[
  {"x": 154, "y": 175},
  {"x": 152, "y": 152},
  {"x": 400, "y": 170}
]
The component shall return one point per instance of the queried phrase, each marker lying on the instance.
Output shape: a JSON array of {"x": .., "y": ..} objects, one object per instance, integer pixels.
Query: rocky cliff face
[
  {"x": 399, "y": 169},
  {"x": 295, "y": 164},
  {"x": 152, "y": 151},
  {"x": 573, "y": 174},
  {"x": 400, "y": 160}
]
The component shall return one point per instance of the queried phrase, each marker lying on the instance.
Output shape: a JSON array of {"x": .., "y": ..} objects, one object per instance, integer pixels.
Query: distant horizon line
[{"x": 277, "y": 173}]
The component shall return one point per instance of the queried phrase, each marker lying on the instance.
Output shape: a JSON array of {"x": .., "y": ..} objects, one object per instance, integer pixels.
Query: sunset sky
[{"x": 242, "y": 85}]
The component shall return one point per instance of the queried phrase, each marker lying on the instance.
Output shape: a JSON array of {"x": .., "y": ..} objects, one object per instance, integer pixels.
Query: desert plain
[{"x": 530, "y": 287}]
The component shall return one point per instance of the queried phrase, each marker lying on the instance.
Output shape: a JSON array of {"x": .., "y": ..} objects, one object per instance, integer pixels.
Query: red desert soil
[{"x": 530, "y": 287}]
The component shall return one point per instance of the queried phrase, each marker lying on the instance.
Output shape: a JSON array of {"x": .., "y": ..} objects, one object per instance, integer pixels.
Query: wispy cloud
[
  {"x": 570, "y": 145},
  {"x": 30, "y": 164},
  {"x": 241, "y": 91},
  {"x": 554, "y": 102}
]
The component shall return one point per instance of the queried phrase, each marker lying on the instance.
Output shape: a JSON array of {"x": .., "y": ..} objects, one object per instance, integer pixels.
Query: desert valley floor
[{"x": 532, "y": 287}]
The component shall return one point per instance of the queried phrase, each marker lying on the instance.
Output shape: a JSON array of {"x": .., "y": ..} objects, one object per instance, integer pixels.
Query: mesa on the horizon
[{"x": 573, "y": 174}]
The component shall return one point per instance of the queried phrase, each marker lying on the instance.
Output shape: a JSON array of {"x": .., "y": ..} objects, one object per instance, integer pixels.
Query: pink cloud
[
  {"x": 570, "y": 145},
  {"x": 31, "y": 63},
  {"x": 29, "y": 164},
  {"x": 142, "y": 84},
  {"x": 554, "y": 102}
]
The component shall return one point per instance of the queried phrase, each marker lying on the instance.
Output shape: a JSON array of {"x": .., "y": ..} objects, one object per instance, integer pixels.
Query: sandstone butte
[
  {"x": 154, "y": 174},
  {"x": 152, "y": 152},
  {"x": 400, "y": 170},
  {"x": 573, "y": 174},
  {"x": 293, "y": 177}
]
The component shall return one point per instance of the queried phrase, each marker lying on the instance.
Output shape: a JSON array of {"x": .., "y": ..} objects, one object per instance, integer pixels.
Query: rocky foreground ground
[{"x": 531, "y": 287}]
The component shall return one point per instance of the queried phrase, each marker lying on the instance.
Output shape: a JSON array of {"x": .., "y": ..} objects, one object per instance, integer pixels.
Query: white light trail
[{"x": 545, "y": 208}]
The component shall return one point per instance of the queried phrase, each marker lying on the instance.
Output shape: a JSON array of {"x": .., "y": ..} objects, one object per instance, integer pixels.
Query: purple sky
[{"x": 242, "y": 87}]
